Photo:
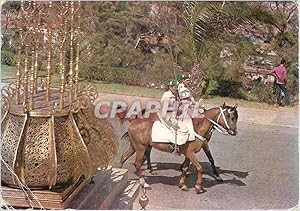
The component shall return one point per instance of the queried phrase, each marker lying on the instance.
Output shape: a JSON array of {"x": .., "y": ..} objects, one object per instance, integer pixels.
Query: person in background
[{"x": 280, "y": 74}]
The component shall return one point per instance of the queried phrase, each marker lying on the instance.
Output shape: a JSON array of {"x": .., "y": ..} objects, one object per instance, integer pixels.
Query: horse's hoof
[
  {"x": 92, "y": 181},
  {"x": 183, "y": 187},
  {"x": 147, "y": 186},
  {"x": 199, "y": 189},
  {"x": 219, "y": 179}
]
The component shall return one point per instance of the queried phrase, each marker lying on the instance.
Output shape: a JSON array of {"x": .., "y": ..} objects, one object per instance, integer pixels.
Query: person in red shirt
[{"x": 280, "y": 73}]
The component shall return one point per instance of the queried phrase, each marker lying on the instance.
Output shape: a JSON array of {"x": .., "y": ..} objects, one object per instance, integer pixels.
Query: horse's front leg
[
  {"x": 184, "y": 168},
  {"x": 148, "y": 159},
  {"x": 212, "y": 162},
  {"x": 198, "y": 187}
]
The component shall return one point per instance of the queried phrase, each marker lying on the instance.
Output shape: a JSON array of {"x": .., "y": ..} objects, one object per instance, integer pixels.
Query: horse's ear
[
  {"x": 223, "y": 106},
  {"x": 234, "y": 108}
]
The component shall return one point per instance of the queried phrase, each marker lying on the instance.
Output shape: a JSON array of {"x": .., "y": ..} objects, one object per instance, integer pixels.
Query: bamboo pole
[
  {"x": 77, "y": 49},
  {"x": 37, "y": 29},
  {"x": 63, "y": 34},
  {"x": 71, "y": 54},
  {"x": 26, "y": 76},
  {"x": 31, "y": 80},
  {"x": 48, "y": 68},
  {"x": 18, "y": 74}
]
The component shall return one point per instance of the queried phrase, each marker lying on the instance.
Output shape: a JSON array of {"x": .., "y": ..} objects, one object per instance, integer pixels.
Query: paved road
[{"x": 259, "y": 168}]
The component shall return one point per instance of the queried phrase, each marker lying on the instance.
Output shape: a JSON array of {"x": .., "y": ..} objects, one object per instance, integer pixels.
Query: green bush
[
  {"x": 8, "y": 58},
  {"x": 229, "y": 88},
  {"x": 112, "y": 74},
  {"x": 92, "y": 72},
  {"x": 292, "y": 87},
  {"x": 126, "y": 76},
  {"x": 264, "y": 93},
  {"x": 212, "y": 87}
]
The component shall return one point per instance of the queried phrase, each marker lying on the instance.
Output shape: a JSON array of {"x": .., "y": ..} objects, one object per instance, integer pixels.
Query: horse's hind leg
[
  {"x": 129, "y": 152},
  {"x": 138, "y": 165},
  {"x": 212, "y": 162},
  {"x": 184, "y": 168},
  {"x": 147, "y": 157}
]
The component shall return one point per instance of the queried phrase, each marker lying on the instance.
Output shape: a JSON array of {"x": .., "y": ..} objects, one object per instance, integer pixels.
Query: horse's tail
[{"x": 125, "y": 136}]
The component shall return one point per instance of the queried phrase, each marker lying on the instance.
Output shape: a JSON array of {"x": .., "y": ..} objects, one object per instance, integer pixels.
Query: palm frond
[{"x": 206, "y": 21}]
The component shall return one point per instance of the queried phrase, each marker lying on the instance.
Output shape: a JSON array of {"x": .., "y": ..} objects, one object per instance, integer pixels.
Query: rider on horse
[
  {"x": 171, "y": 95},
  {"x": 169, "y": 102},
  {"x": 186, "y": 102},
  {"x": 174, "y": 114},
  {"x": 185, "y": 94},
  {"x": 177, "y": 111},
  {"x": 186, "y": 99}
]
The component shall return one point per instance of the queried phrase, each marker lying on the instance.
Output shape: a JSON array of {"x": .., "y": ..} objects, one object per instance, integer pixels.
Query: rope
[
  {"x": 23, "y": 187},
  {"x": 6, "y": 205}
]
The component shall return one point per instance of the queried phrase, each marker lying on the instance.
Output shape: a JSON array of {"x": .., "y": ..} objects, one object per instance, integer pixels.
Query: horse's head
[{"x": 227, "y": 118}]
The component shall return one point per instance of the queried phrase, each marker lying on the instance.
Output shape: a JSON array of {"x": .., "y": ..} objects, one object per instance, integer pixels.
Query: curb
[{"x": 271, "y": 124}]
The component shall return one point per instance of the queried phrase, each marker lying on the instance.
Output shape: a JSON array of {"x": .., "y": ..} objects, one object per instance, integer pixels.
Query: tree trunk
[
  {"x": 205, "y": 86},
  {"x": 197, "y": 76}
]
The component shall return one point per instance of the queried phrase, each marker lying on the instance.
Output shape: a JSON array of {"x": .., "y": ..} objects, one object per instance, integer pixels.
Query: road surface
[{"x": 259, "y": 168}]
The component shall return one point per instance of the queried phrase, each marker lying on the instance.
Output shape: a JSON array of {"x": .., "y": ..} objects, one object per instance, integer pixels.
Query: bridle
[{"x": 217, "y": 126}]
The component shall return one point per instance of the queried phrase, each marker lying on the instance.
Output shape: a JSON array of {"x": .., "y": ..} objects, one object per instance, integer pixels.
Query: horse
[
  {"x": 223, "y": 118},
  {"x": 205, "y": 147}
]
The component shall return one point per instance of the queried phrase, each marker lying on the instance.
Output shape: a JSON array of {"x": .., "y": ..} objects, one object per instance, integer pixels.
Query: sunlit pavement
[{"x": 259, "y": 168}]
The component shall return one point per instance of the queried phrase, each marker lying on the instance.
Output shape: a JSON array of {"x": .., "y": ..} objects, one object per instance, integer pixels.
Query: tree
[{"x": 210, "y": 23}]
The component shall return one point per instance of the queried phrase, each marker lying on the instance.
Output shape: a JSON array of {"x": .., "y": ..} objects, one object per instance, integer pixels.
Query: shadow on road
[{"x": 191, "y": 180}]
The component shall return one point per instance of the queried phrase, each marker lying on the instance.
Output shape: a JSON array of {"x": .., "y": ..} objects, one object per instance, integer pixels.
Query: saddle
[
  {"x": 173, "y": 125},
  {"x": 169, "y": 131}
]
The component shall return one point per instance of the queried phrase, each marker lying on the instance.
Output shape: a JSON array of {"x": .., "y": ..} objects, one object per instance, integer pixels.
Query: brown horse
[{"x": 223, "y": 118}]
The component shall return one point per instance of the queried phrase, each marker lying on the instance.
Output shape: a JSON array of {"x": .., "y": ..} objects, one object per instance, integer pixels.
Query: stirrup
[{"x": 176, "y": 151}]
